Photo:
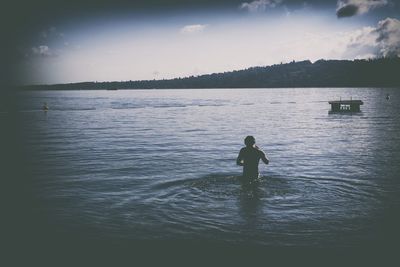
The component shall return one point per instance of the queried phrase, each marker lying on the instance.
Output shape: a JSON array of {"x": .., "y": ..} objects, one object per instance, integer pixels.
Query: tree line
[{"x": 381, "y": 72}]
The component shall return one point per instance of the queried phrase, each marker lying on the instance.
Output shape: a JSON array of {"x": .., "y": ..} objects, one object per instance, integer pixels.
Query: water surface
[{"x": 160, "y": 164}]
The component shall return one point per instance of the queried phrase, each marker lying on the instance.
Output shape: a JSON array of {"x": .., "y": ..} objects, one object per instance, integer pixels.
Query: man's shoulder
[{"x": 260, "y": 151}]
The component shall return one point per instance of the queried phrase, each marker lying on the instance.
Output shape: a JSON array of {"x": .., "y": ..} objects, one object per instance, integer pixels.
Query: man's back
[{"x": 249, "y": 157}]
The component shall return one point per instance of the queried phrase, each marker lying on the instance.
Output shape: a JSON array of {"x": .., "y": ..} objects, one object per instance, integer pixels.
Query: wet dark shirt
[{"x": 251, "y": 157}]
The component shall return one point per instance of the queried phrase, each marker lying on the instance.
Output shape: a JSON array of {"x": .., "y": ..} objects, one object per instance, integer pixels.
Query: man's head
[{"x": 249, "y": 141}]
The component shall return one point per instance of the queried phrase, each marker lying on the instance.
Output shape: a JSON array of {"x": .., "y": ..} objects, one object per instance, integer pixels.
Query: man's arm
[
  {"x": 264, "y": 157},
  {"x": 239, "y": 160}
]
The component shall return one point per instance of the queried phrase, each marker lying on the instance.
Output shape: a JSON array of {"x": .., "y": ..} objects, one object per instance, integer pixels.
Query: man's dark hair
[{"x": 249, "y": 141}]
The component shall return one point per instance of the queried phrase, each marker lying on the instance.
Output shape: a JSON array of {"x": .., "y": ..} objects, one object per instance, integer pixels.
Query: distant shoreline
[
  {"x": 372, "y": 73},
  {"x": 221, "y": 88}
]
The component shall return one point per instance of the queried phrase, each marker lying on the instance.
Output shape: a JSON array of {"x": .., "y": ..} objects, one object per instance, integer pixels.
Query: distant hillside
[{"x": 383, "y": 72}]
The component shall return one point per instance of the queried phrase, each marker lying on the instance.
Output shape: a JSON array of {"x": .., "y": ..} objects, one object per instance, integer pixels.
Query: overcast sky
[{"x": 115, "y": 41}]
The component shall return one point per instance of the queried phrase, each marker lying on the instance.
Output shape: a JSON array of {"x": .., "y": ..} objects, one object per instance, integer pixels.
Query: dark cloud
[
  {"x": 260, "y": 5},
  {"x": 347, "y": 11},
  {"x": 349, "y": 8}
]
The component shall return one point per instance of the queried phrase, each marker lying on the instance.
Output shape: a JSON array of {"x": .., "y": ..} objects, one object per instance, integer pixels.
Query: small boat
[
  {"x": 345, "y": 105},
  {"x": 387, "y": 96}
]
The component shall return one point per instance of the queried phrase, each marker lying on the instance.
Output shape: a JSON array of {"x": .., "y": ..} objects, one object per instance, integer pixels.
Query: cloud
[
  {"x": 52, "y": 33},
  {"x": 190, "y": 29},
  {"x": 381, "y": 41},
  {"x": 260, "y": 5},
  {"x": 48, "y": 43},
  {"x": 388, "y": 31},
  {"x": 349, "y": 8},
  {"x": 42, "y": 51},
  {"x": 366, "y": 56},
  {"x": 361, "y": 42},
  {"x": 40, "y": 47}
]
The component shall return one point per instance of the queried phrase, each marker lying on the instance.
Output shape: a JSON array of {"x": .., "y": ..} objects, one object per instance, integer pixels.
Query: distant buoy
[
  {"x": 45, "y": 107},
  {"x": 387, "y": 96}
]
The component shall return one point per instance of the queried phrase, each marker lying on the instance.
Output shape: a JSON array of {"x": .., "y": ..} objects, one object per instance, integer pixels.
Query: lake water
[{"x": 160, "y": 164}]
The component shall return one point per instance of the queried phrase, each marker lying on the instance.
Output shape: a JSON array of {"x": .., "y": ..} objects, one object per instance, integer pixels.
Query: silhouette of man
[{"x": 249, "y": 157}]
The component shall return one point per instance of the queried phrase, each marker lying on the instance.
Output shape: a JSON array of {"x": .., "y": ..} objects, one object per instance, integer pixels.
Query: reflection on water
[
  {"x": 250, "y": 208},
  {"x": 160, "y": 164}
]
